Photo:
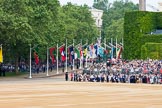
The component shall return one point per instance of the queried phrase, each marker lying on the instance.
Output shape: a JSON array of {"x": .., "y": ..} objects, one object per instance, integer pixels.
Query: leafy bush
[
  {"x": 137, "y": 31},
  {"x": 151, "y": 50}
]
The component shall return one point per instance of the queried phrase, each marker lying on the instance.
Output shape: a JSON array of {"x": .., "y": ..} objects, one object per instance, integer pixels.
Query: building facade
[
  {"x": 142, "y": 5},
  {"x": 160, "y": 6},
  {"x": 97, "y": 16}
]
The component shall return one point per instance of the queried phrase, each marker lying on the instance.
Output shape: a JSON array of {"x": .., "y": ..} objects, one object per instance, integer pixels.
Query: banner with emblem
[
  {"x": 71, "y": 49},
  {"x": 62, "y": 52}
]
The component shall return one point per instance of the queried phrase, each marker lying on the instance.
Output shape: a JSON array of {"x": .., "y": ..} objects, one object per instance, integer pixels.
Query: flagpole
[
  {"x": 92, "y": 51},
  {"x": 66, "y": 56},
  {"x": 105, "y": 50},
  {"x": 91, "y": 59},
  {"x": 116, "y": 49},
  {"x": 57, "y": 58},
  {"x": 122, "y": 43},
  {"x": 47, "y": 62},
  {"x": 74, "y": 55},
  {"x": 105, "y": 43},
  {"x": 86, "y": 55},
  {"x": 30, "y": 76},
  {"x": 80, "y": 56},
  {"x": 108, "y": 46},
  {"x": 112, "y": 48},
  {"x": 86, "y": 60},
  {"x": 122, "y": 47}
]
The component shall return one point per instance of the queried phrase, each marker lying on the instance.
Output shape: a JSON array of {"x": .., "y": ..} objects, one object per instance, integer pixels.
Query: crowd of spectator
[
  {"x": 35, "y": 69},
  {"x": 115, "y": 71}
]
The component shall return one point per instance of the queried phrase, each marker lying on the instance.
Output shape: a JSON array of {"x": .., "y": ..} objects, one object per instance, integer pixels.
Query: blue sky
[{"x": 90, "y": 2}]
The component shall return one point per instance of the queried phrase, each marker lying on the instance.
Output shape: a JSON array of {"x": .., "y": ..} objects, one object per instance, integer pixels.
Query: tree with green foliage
[
  {"x": 43, "y": 23},
  {"x": 138, "y": 37},
  {"x": 25, "y": 22},
  {"x": 79, "y": 23},
  {"x": 102, "y": 5},
  {"x": 113, "y": 17}
]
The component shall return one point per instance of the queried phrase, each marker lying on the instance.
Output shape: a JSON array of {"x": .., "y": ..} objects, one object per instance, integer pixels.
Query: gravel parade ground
[{"x": 56, "y": 93}]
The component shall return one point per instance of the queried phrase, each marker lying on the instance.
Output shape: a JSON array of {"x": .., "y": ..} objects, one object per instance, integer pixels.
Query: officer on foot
[{"x": 66, "y": 76}]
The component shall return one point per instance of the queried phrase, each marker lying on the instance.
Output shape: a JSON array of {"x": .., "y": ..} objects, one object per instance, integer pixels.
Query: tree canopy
[
  {"x": 42, "y": 22},
  {"x": 113, "y": 17}
]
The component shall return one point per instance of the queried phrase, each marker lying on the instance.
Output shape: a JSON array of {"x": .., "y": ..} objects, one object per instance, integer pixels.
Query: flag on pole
[
  {"x": 88, "y": 52},
  {"x": 69, "y": 55},
  {"x": 71, "y": 50},
  {"x": 112, "y": 52},
  {"x": 91, "y": 48},
  {"x": 101, "y": 51},
  {"x": 85, "y": 52},
  {"x": 99, "y": 41},
  {"x": 96, "y": 49},
  {"x": 77, "y": 53},
  {"x": 52, "y": 54},
  {"x": 1, "y": 55},
  {"x": 119, "y": 52},
  {"x": 93, "y": 51},
  {"x": 62, "y": 52},
  {"x": 106, "y": 51},
  {"x": 81, "y": 52},
  {"x": 36, "y": 56}
]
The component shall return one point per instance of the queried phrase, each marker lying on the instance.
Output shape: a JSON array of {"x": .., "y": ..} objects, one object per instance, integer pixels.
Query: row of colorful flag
[{"x": 79, "y": 52}]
